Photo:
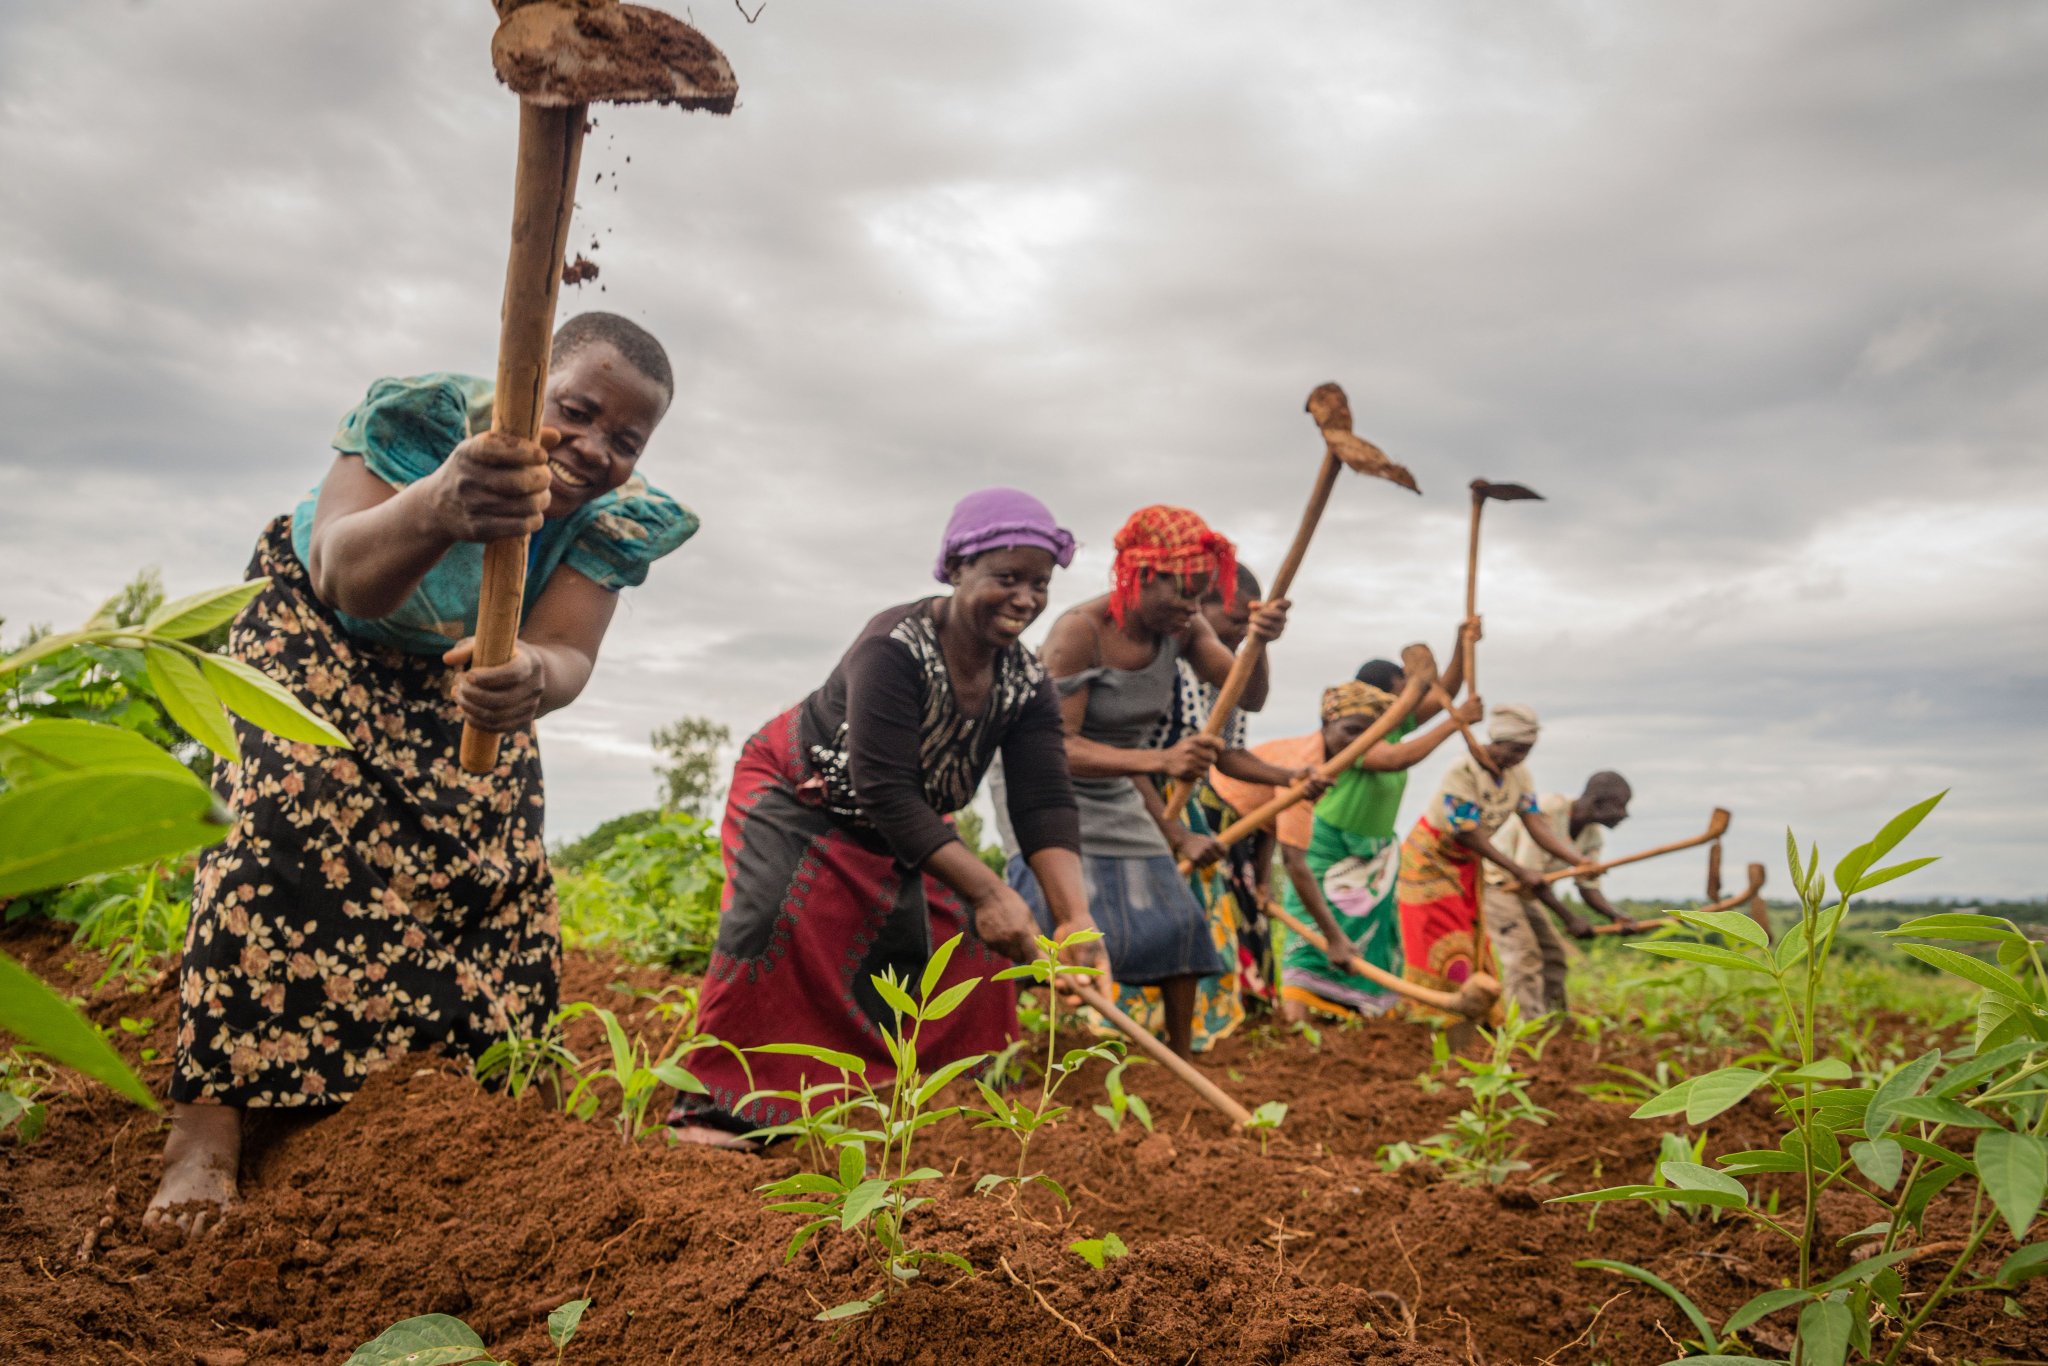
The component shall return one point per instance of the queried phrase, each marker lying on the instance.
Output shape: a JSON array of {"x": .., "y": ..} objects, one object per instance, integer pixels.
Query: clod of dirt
[
  {"x": 591, "y": 51},
  {"x": 577, "y": 271}
]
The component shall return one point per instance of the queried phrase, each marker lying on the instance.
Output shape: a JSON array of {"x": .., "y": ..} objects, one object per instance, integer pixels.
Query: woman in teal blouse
[{"x": 378, "y": 900}]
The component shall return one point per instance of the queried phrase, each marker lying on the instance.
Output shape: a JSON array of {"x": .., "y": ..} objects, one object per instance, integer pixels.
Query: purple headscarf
[{"x": 998, "y": 518}]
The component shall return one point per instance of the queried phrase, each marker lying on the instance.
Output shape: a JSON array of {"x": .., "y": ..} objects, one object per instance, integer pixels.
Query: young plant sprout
[
  {"x": 1893, "y": 1146},
  {"x": 871, "y": 1197},
  {"x": 1020, "y": 1118},
  {"x": 1123, "y": 1101},
  {"x": 1479, "y": 1144},
  {"x": 1266, "y": 1120},
  {"x": 1098, "y": 1251}
]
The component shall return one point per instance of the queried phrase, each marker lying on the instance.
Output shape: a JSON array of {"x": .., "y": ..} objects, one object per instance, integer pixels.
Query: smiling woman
[
  {"x": 839, "y": 860},
  {"x": 371, "y": 902}
]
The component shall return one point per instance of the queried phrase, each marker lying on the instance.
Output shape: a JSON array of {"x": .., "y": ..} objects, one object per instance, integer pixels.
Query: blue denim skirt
[{"x": 1151, "y": 923}]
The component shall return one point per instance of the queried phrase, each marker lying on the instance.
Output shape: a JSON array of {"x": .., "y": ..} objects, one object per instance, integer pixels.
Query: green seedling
[
  {"x": 427, "y": 1340},
  {"x": 636, "y": 1073},
  {"x": 1266, "y": 1121},
  {"x": 24, "y": 1081},
  {"x": 562, "y": 1325},
  {"x": 1893, "y": 1145},
  {"x": 520, "y": 1060},
  {"x": 1123, "y": 1101},
  {"x": 853, "y": 1191},
  {"x": 1098, "y": 1251},
  {"x": 1480, "y": 1143},
  {"x": 1021, "y": 1119}
]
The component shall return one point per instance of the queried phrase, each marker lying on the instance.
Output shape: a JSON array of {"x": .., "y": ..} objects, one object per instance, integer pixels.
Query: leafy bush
[
  {"x": 652, "y": 896},
  {"x": 1892, "y": 1145}
]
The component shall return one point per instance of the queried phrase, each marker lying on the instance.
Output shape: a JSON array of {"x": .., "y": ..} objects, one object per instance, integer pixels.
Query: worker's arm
[
  {"x": 1528, "y": 882},
  {"x": 1187, "y": 845},
  {"x": 1398, "y": 756},
  {"x": 1211, "y": 660},
  {"x": 1453, "y": 678},
  {"x": 1550, "y": 841},
  {"x": 551, "y": 661},
  {"x": 1590, "y": 893},
  {"x": 1074, "y": 645},
  {"x": 1342, "y": 953}
]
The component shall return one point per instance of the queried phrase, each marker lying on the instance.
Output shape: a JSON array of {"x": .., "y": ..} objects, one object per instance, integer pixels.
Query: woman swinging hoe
[
  {"x": 375, "y": 901},
  {"x": 839, "y": 859}
]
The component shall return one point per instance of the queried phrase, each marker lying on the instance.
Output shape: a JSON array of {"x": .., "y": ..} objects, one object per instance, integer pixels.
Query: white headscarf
[{"x": 1512, "y": 724}]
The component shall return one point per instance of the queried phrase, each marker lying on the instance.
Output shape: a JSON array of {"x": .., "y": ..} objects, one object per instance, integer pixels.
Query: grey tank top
[{"x": 1124, "y": 705}]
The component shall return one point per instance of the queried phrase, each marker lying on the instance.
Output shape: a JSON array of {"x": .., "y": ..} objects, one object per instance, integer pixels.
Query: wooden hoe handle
[
  {"x": 1161, "y": 1054},
  {"x": 1472, "y": 598},
  {"x": 1254, "y": 649},
  {"x": 1475, "y": 1001},
  {"x": 543, "y": 196},
  {"x": 1331, "y": 768},
  {"x": 1717, "y": 825},
  {"x": 1740, "y": 900}
]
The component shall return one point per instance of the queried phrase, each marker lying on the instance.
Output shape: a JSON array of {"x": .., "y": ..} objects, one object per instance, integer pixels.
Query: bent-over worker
[
  {"x": 1532, "y": 956},
  {"x": 373, "y": 901},
  {"x": 1438, "y": 889}
]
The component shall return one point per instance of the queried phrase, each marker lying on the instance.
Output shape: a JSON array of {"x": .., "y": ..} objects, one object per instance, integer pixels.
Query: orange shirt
[{"x": 1297, "y": 824}]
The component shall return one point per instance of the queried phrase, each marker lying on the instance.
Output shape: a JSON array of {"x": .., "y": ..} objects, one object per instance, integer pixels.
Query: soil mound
[{"x": 429, "y": 1194}]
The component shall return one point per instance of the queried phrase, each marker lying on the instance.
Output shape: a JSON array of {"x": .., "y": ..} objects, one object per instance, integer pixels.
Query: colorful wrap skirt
[
  {"x": 1152, "y": 926},
  {"x": 1357, "y": 876},
  {"x": 1439, "y": 895},
  {"x": 1219, "y": 999},
  {"x": 367, "y": 902},
  {"x": 812, "y": 911}
]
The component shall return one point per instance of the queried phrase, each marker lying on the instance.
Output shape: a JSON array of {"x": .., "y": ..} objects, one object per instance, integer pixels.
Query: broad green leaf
[
  {"x": 1692, "y": 1176},
  {"x": 681, "y": 1078},
  {"x": 1952, "y": 925},
  {"x": 1714, "y": 1092},
  {"x": 1877, "y": 877},
  {"x": 48, "y": 746},
  {"x": 429, "y": 1340},
  {"x": 1849, "y": 872},
  {"x": 935, "y": 970},
  {"x": 1936, "y": 1110},
  {"x": 2029, "y": 1261},
  {"x": 1088, "y": 1250},
  {"x": 1734, "y": 924},
  {"x": 262, "y": 701},
  {"x": 1820, "y": 1069},
  {"x": 41, "y": 650},
  {"x": 937, "y": 1081},
  {"x": 201, "y": 612},
  {"x": 862, "y": 1201},
  {"x": 1903, "y": 1082},
  {"x": 2014, "y": 1170},
  {"x": 1764, "y": 1305},
  {"x": 1662, "y": 1286},
  {"x": 44, "y": 1021},
  {"x": 1677, "y": 1195},
  {"x": 1880, "y": 1160},
  {"x": 191, "y": 703},
  {"x": 1669, "y": 1101},
  {"x": 895, "y": 997},
  {"x": 831, "y": 1057},
  {"x": 1704, "y": 953},
  {"x": 802, "y": 1236},
  {"x": 853, "y": 1165},
  {"x": 1984, "y": 1066},
  {"x": 1970, "y": 969},
  {"x": 2001, "y": 1021},
  {"x": 1867, "y": 1268},
  {"x": 1761, "y": 1160},
  {"x": 562, "y": 1323},
  {"x": 851, "y": 1309},
  {"x": 949, "y": 1000},
  {"x": 1935, "y": 1153},
  {"x": 1790, "y": 950},
  {"x": 95, "y": 821},
  {"x": 1824, "y": 1333}
]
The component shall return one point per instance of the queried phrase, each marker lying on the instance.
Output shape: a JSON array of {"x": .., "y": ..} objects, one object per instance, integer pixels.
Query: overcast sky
[{"x": 1754, "y": 293}]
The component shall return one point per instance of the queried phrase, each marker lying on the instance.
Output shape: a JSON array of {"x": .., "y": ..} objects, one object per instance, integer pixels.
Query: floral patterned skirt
[
  {"x": 1438, "y": 892},
  {"x": 367, "y": 902}
]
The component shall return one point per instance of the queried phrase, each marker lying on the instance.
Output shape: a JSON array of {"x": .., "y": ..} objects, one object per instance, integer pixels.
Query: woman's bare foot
[
  {"x": 201, "y": 1158},
  {"x": 708, "y": 1136}
]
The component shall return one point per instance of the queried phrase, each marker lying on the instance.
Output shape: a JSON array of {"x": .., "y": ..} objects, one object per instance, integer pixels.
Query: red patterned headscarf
[{"x": 1167, "y": 540}]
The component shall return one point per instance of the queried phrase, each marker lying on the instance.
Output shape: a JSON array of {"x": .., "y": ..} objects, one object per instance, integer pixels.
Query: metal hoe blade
[
  {"x": 562, "y": 52},
  {"x": 1506, "y": 493},
  {"x": 1332, "y": 413}
]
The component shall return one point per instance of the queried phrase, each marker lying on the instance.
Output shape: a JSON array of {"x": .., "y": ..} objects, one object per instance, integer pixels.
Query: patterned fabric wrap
[
  {"x": 367, "y": 903},
  {"x": 810, "y": 915},
  {"x": 1193, "y": 700},
  {"x": 1353, "y": 698},
  {"x": 1167, "y": 540},
  {"x": 1357, "y": 875},
  {"x": 1438, "y": 893},
  {"x": 1219, "y": 997},
  {"x": 403, "y": 431},
  {"x": 955, "y": 749}
]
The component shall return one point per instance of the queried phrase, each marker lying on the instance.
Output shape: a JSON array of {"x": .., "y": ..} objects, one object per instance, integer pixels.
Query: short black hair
[
  {"x": 1383, "y": 674},
  {"x": 625, "y": 336},
  {"x": 1608, "y": 783}
]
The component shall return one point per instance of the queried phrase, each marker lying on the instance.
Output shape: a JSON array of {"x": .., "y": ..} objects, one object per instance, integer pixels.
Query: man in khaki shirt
[{"x": 1527, "y": 944}]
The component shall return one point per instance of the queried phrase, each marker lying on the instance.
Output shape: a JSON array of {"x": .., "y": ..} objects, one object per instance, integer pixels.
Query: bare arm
[
  {"x": 1390, "y": 756},
  {"x": 1549, "y": 841},
  {"x": 1453, "y": 678},
  {"x": 1211, "y": 661},
  {"x": 1073, "y": 646},
  {"x": 1596, "y": 899},
  {"x": 373, "y": 543},
  {"x": 551, "y": 661},
  {"x": 1343, "y": 955}
]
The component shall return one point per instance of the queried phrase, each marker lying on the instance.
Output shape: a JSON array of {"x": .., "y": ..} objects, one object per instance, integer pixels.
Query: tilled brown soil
[{"x": 427, "y": 1194}]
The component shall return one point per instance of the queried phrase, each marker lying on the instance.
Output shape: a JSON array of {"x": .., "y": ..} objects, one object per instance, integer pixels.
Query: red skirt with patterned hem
[
  {"x": 1438, "y": 892},
  {"x": 812, "y": 911}
]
